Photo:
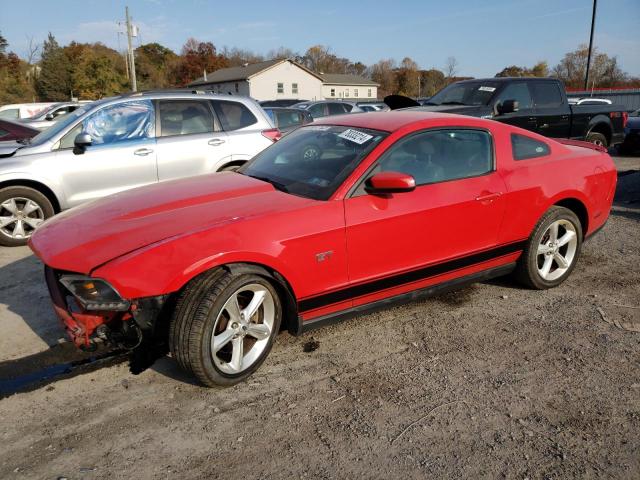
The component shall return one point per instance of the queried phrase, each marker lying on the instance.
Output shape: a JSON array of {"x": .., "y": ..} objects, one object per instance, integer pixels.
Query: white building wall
[
  {"x": 353, "y": 92},
  {"x": 264, "y": 85}
]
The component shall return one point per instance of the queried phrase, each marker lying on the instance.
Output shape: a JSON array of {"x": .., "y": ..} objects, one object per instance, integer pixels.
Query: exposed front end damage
[{"x": 141, "y": 327}]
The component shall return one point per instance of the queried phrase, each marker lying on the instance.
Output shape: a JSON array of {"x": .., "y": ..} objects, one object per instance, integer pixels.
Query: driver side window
[
  {"x": 518, "y": 91},
  {"x": 117, "y": 123},
  {"x": 440, "y": 155}
]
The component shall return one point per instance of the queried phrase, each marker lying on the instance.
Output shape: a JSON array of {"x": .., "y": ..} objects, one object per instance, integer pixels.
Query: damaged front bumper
[{"x": 133, "y": 327}]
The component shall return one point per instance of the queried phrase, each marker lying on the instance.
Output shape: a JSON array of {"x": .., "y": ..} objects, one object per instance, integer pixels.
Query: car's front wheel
[
  {"x": 224, "y": 326},
  {"x": 552, "y": 250},
  {"x": 22, "y": 210}
]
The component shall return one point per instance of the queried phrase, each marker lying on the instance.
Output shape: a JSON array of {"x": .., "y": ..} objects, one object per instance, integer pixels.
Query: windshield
[
  {"x": 313, "y": 161},
  {"x": 60, "y": 125},
  {"x": 465, "y": 93}
]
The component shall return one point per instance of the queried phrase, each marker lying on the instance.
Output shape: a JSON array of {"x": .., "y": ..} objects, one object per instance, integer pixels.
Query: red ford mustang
[{"x": 348, "y": 214}]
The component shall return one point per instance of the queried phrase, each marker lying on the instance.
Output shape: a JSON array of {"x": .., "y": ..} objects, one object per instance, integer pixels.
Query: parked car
[
  {"x": 325, "y": 108},
  {"x": 631, "y": 141},
  {"x": 397, "y": 206},
  {"x": 536, "y": 104},
  {"x": 51, "y": 115},
  {"x": 121, "y": 143},
  {"x": 288, "y": 119},
  {"x": 373, "y": 107},
  {"x": 283, "y": 102},
  {"x": 588, "y": 101},
  {"x": 15, "y": 131},
  {"x": 17, "y": 111}
]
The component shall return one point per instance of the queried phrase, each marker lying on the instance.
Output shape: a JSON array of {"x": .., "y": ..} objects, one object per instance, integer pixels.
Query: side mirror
[
  {"x": 507, "y": 106},
  {"x": 390, "y": 182},
  {"x": 49, "y": 116},
  {"x": 81, "y": 142}
]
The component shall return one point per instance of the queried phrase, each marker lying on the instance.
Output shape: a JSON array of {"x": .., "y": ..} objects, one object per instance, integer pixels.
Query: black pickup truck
[{"x": 536, "y": 104}]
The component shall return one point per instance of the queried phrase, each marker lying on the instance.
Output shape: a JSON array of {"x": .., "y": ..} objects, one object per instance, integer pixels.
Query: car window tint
[
  {"x": 233, "y": 115},
  {"x": 288, "y": 119},
  {"x": 9, "y": 113},
  {"x": 68, "y": 140},
  {"x": 317, "y": 110},
  {"x": 185, "y": 118},
  {"x": 121, "y": 122},
  {"x": 524, "y": 147},
  {"x": 3, "y": 133},
  {"x": 518, "y": 91},
  {"x": 347, "y": 107},
  {"x": 336, "y": 108},
  {"x": 547, "y": 94},
  {"x": 440, "y": 155}
]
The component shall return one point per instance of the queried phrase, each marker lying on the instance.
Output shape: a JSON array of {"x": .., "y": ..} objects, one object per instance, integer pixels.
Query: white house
[{"x": 280, "y": 79}]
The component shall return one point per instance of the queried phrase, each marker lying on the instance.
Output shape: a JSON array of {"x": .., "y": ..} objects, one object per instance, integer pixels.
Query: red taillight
[
  {"x": 625, "y": 118},
  {"x": 272, "y": 134}
]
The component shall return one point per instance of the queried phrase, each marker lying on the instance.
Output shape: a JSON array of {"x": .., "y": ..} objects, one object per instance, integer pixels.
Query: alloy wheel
[
  {"x": 242, "y": 329},
  {"x": 19, "y": 217},
  {"x": 557, "y": 250}
]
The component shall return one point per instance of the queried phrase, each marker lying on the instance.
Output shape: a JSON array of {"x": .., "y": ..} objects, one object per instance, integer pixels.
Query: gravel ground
[{"x": 491, "y": 381}]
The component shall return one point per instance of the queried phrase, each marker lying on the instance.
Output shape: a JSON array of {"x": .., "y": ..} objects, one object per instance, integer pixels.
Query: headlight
[{"x": 94, "y": 293}]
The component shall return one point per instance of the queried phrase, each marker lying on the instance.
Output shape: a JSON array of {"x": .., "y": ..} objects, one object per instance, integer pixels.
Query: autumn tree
[
  {"x": 196, "y": 58},
  {"x": 431, "y": 82},
  {"x": 153, "y": 63},
  {"x": 407, "y": 78},
  {"x": 540, "y": 69},
  {"x": 451, "y": 68},
  {"x": 98, "y": 71},
  {"x": 383, "y": 74},
  {"x": 604, "y": 70},
  {"x": 236, "y": 57}
]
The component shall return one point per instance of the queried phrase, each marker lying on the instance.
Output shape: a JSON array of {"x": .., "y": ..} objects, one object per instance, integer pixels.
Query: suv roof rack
[{"x": 166, "y": 90}]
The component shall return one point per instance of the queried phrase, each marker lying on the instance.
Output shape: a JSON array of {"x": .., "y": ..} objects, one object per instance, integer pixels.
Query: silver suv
[{"x": 121, "y": 143}]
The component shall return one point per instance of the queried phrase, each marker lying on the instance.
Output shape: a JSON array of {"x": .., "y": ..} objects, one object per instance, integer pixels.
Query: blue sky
[{"x": 483, "y": 35}]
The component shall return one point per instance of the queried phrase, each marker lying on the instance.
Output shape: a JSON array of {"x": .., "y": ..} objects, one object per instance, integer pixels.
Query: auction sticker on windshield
[
  {"x": 487, "y": 89},
  {"x": 356, "y": 136}
]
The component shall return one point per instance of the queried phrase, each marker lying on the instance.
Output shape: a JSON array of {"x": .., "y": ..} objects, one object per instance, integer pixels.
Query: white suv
[{"x": 124, "y": 142}]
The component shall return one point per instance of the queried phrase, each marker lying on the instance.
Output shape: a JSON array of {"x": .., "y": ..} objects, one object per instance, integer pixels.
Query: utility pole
[
  {"x": 132, "y": 63},
  {"x": 593, "y": 24}
]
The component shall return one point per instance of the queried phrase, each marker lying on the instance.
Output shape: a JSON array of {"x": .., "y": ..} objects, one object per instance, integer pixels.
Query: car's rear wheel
[
  {"x": 22, "y": 210},
  {"x": 552, "y": 250},
  {"x": 224, "y": 326},
  {"x": 597, "y": 139}
]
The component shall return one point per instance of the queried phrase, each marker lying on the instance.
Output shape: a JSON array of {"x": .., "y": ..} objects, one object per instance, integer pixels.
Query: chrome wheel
[
  {"x": 19, "y": 217},
  {"x": 242, "y": 329},
  {"x": 557, "y": 250}
]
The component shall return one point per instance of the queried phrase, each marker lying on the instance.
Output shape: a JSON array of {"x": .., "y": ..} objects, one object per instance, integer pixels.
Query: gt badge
[{"x": 322, "y": 256}]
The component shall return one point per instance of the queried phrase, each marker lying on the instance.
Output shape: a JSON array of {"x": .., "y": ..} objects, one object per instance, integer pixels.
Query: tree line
[{"x": 93, "y": 70}]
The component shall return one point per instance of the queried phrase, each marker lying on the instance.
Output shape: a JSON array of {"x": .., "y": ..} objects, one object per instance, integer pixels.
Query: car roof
[{"x": 393, "y": 120}]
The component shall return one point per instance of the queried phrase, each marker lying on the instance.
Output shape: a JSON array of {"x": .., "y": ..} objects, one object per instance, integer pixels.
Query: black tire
[
  {"x": 527, "y": 268},
  {"x": 597, "y": 139},
  {"x": 18, "y": 192},
  {"x": 193, "y": 321}
]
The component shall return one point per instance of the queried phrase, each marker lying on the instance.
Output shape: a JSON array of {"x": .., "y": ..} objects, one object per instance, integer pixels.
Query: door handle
[
  {"x": 214, "y": 142},
  {"x": 143, "y": 152},
  {"x": 544, "y": 125},
  {"x": 488, "y": 197}
]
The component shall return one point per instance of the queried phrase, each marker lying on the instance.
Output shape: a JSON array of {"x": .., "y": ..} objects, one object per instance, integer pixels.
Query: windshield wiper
[
  {"x": 277, "y": 185},
  {"x": 452, "y": 103},
  {"x": 430, "y": 103},
  {"x": 24, "y": 141}
]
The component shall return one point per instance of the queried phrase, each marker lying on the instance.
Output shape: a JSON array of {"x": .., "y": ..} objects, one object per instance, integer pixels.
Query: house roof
[
  {"x": 344, "y": 79},
  {"x": 243, "y": 72}
]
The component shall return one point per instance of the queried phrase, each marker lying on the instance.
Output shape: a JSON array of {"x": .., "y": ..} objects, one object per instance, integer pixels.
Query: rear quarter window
[
  {"x": 524, "y": 147},
  {"x": 233, "y": 115}
]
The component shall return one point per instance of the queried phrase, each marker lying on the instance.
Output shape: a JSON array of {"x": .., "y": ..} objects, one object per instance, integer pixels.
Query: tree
[
  {"x": 153, "y": 63},
  {"x": 236, "y": 57},
  {"x": 540, "y": 69},
  {"x": 14, "y": 84},
  {"x": 54, "y": 80},
  {"x": 98, "y": 71},
  {"x": 408, "y": 78},
  {"x": 196, "y": 58},
  {"x": 432, "y": 81},
  {"x": 451, "y": 68},
  {"x": 604, "y": 71},
  {"x": 383, "y": 74}
]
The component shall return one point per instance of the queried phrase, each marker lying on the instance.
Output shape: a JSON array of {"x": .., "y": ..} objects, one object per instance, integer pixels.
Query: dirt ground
[{"x": 492, "y": 381}]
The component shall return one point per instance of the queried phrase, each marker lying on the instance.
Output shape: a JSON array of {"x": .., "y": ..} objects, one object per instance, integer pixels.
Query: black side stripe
[{"x": 408, "y": 277}]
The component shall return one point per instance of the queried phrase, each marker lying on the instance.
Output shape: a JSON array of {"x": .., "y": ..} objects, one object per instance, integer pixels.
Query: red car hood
[{"x": 81, "y": 239}]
